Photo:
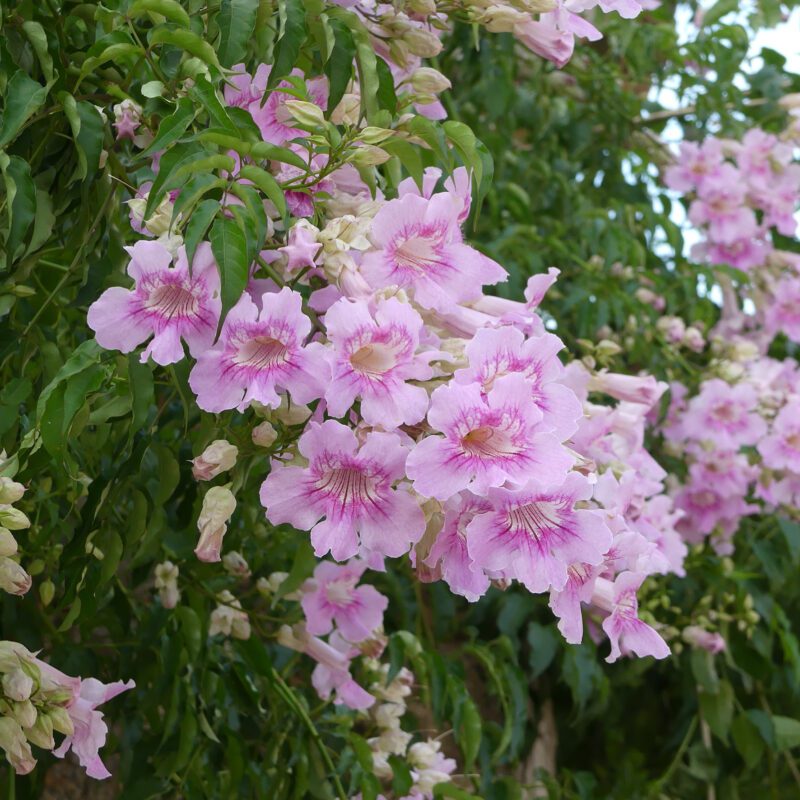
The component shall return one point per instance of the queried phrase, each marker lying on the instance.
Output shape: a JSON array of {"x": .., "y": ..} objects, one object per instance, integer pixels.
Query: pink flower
[
  {"x": 623, "y": 626},
  {"x": 373, "y": 356},
  {"x": 494, "y": 352},
  {"x": 450, "y": 548},
  {"x": 721, "y": 205},
  {"x": 784, "y": 309},
  {"x": 242, "y": 90},
  {"x": 487, "y": 440},
  {"x": 90, "y": 731},
  {"x": 419, "y": 248},
  {"x": 565, "y": 603},
  {"x": 694, "y": 164},
  {"x": 274, "y": 121},
  {"x": 258, "y": 352},
  {"x": 535, "y": 533},
  {"x": 351, "y": 488},
  {"x": 725, "y": 415},
  {"x": 301, "y": 249},
  {"x": 166, "y": 301},
  {"x": 781, "y": 449},
  {"x": 644, "y": 389},
  {"x": 705, "y": 640},
  {"x": 333, "y": 596}
]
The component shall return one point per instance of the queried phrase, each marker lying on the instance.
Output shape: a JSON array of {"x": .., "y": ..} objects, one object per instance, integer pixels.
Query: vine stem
[
  {"x": 286, "y": 693},
  {"x": 677, "y": 758}
]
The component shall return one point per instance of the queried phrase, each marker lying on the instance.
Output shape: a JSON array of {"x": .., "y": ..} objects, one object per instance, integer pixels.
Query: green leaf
[
  {"x": 205, "y": 93},
  {"x": 191, "y": 630},
  {"x": 717, "y": 710},
  {"x": 229, "y": 245},
  {"x": 197, "y": 226},
  {"x": 267, "y": 183},
  {"x": 88, "y": 131},
  {"x": 23, "y": 97},
  {"x": 719, "y": 10},
  {"x": 366, "y": 61},
  {"x": 787, "y": 732},
  {"x": 170, "y": 9},
  {"x": 302, "y": 567},
  {"x": 468, "y": 731},
  {"x": 339, "y": 67},
  {"x": 172, "y": 127},
  {"x": 747, "y": 739},
  {"x": 236, "y": 21},
  {"x": 544, "y": 643},
  {"x": 272, "y": 152},
  {"x": 453, "y": 791},
  {"x": 172, "y": 161},
  {"x": 291, "y": 36},
  {"x": 38, "y": 39},
  {"x": 140, "y": 382},
  {"x": 193, "y": 190},
  {"x": 21, "y": 194},
  {"x": 188, "y": 41}
]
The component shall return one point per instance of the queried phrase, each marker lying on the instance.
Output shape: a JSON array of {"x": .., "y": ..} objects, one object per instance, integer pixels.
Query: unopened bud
[
  {"x": 291, "y": 414},
  {"x": 41, "y": 734},
  {"x": 422, "y": 42},
  {"x": 13, "y": 519},
  {"x": 429, "y": 80},
  {"x": 422, "y": 7},
  {"x": 369, "y": 156},
  {"x": 374, "y": 135},
  {"x": 308, "y": 114},
  {"x": 10, "y": 491},
  {"x": 24, "y": 713},
  {"x": 15, "y": 744},
  {"x": 13, "y": 578},
  {"x": 8, "y": 544},
  {"x": 47, "y": 590},
  {"x": 218, "y": 506},
  {"x": 264, "y": 435},
  {"x": 17, "y": 685},
  {"x": 218, "y": 457},
  {"x": 62, "y": 722}
]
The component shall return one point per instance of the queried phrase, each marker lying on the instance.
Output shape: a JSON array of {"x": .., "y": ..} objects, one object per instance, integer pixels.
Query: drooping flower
[
  {"x": 449, "y": 551},
  {"x": 334, "y": 596},
  {"x": 418, "y": 247},
  {"x": 218, "y": 506},
  {"x": 259, "y": 351},
  {"x": 218, "y": 457},
  {"x": 494, "y": 352},
  {"x": 166, "y": 302},
  {"x": 566, "y": 603},
  {"x": 89, "y": 729},
  {"x": 623, "y": 626},
  {"x": 487, "y": 440},
  {"x": 373, "y": 357},
  {"x": 345, "y": 496},
  {"x": 534, "y": 533}
]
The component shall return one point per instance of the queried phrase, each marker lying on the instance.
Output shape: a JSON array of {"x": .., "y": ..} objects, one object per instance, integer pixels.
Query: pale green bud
[
  {"x": 24, "y": 713},
  {"x": 41, "y": 734},
  {"x": 308, "y": 114},
  {"x": 8, "y": 544},
  {"x": 264, "y": 435},
  {"x": 10, "y": 491},
  {"x": 429, "y": 80},
  {"x": 369, "y": 156},
  {"x": 15, "y": 744},
  {"x": 13, "y": 518},
  {"x": 17, "y": 685},
  {"x": 62, "y": 722}
]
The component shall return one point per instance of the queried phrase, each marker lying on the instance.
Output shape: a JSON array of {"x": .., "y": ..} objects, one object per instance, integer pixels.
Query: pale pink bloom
[
  {"x": 644, "y": 389},
  {"x": 623, "y": 627},
  {"x": 351, "y": 488},
  {"x": 534, "y": 533},
  {"x": 721, "y": 204},
  {"x": 758, "y": 155},
  {"x": 458, "y": 185},
  {"x": 274, "y": 121},
  {"x": 728, "y": 472},
  {"x": 334, "y": 596},
  {"x": 301, "y": 249},
  {"x": 259, "y": 352},
  {"x": 743, "y": 254},
  {"x": 780, "y": 450},
  {"x": 783, "y": 314},
  {"x": 725, "y": 415},
  {"x": 694, "y": 164},
  {"x": 90, "y": 730},
  {"x": 705, "y": 640},
  {"x": 449, "y": 551},
  {"x": 487, "y": 439},
  {"x": 373, "y": 357},
  {"x": 565, "y": 603},
  {"x": 494, "y": 352},
  {"x": 552, "y": 36},
  {"x": 166, "y": 301},
  {"x": 418, "y": 247},
  {"x": 705, "y": 509},
  {"x": 241, "y": 90}
]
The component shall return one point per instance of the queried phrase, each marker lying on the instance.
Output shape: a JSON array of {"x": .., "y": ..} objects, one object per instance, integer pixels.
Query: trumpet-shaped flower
[
  {"x": 257, "y": 352},
  {"x": 781, "y": 449},
  {"x": 450, "y": 548},
  {"x": 373, "y": 356},
  {"x": 418, "y": 247},
  {"x": 494, "y": 352},
  {"x": 345, "y": 496},
  {"x": 487, "y": 439},
  {"x": 333, "y": 595},
  {"x": 534, "y": 533},
  {"x": 167, "y": 302}
]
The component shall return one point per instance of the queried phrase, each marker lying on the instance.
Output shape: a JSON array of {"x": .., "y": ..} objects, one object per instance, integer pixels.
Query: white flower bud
[
  {"x": 10, "y": 491},
  {"x": 236, "y": 565},
  {"x": 218, "y": 506},
  {"x": 264, "y": 435},
  {"x": 13, "y": 578},
  {"x": 8, "y": 544},
  {"x": 15, "y": 744},
  {"x": 17, "y": 685},
  {"x": 422, "y": 42},
  {"x": 218, "y": 457},
  {"x": 13, "y": 519},
  {"x": 429, "y": 80}
]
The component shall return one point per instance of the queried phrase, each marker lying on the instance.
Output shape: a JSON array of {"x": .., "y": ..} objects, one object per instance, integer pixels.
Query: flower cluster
[
  {"x": 13, "y": 578},
  {"x": 37, "y": 701}
]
